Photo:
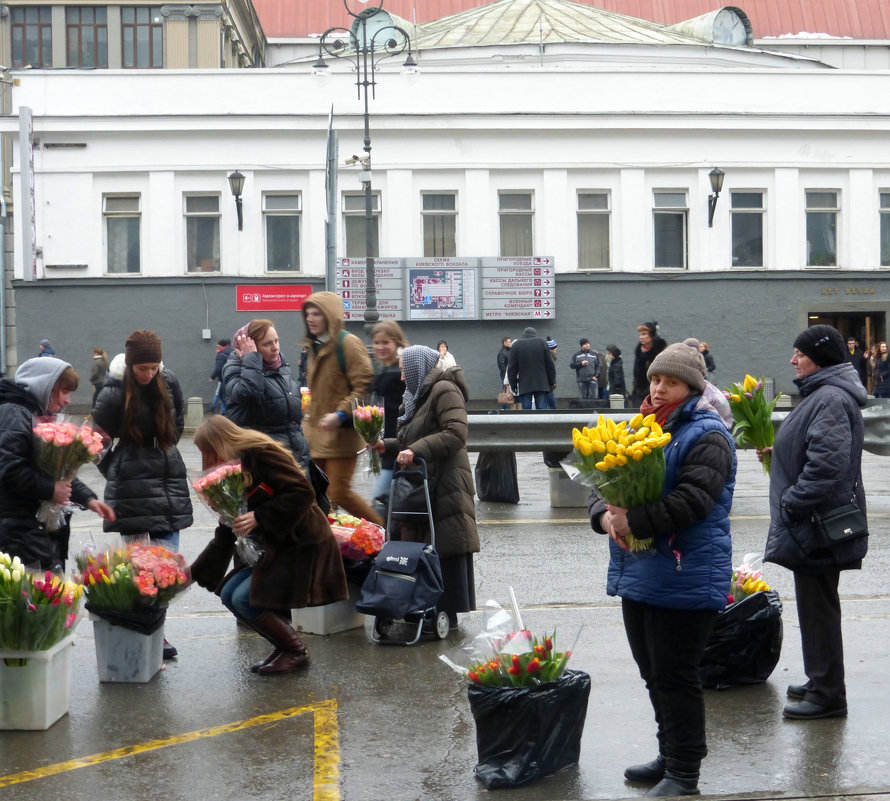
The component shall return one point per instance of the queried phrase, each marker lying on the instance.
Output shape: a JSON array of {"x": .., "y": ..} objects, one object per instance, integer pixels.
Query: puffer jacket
[
  {"x": 816, "y": 462},
  {"x": 438, "y": 434},
  {"x": 301, "y": 564},
  {"x": 333, "y": 388},
  {"x": 265, "y": 400},
  {"x": 146, "y": 486},
  {"x": 692, "y": 564}
]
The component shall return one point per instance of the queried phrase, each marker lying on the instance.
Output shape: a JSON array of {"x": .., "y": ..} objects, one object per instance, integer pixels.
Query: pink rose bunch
[
  {"x": 368, "y": 421},
  {"x": 222, "y": 489},
  {"x": 61, "y": 447}
]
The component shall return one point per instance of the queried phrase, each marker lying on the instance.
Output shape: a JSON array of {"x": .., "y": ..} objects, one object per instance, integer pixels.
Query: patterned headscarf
[
  {"x": 417, "y": 361},
  {"x": 243, "y": 331}
]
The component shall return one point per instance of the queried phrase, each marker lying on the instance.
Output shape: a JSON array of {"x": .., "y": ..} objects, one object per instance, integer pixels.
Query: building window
[
  {"x": 354, "y": 224},
  {"x": 671, "y": 217},
  {"x": 282, "y": 223},
  {"x": 439, "y": 224},
  {"x": 87, "y": 32},
  {"x": 822, "y": 212},
  {"x": 885, "y": 229},
  {"x": 746, "y": 215},
  {"x": 516, "y": 210},
  {"x": 32, "y": 36},
  {"x": 123, "y": 218},
  {"x": 142, "y": 37},
  {"x": 593, "y": 231},
  {"x": 202, "y": 233}
]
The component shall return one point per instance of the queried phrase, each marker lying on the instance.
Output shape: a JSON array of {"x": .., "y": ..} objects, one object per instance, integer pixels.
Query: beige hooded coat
[{"x": 333, "y": 389}]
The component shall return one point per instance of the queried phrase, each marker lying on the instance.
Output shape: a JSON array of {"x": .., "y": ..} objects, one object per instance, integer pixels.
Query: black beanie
[
  {"x": 823, "y": 344},
  {"x": 584, "y": 341}
]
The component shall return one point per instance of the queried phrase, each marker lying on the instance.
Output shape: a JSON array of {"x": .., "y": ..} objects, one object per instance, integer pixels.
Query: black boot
[
  {"x": 283, "y": 636},
  {"x": 647, "y": 772},
  {"x": 680, "y": 778},
  {"x": 255, "y": 668}
]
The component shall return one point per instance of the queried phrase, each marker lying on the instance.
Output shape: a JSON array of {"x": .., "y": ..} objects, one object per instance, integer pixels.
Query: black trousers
[
  {"x": 819, "y": 615},
  {"x": 668, "y": 645}
]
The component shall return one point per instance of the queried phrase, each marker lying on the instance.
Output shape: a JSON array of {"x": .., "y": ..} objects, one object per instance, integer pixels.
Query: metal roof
[{"x": 859, "y": 19}]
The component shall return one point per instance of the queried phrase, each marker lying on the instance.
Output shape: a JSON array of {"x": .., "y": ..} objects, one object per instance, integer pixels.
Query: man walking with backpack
[{"x": 586, "y": 365}]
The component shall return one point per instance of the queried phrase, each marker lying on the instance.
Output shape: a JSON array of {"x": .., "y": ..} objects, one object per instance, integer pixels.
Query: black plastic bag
[
  {"x": 496, "y": 478},
  {"x": 144, "y": 621},
  {"x": 407, "y": 497},
  {"x": 319, "y": 480},
  {"x": 526, "y": 733},
  {"x": 746, "y": 642}
]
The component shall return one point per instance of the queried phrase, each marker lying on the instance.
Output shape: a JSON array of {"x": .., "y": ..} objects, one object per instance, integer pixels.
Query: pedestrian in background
[
  {"x": 503, "y": 363},
  {"x": 531, "y": 370},
  {"x": 882, "y": 372},
  {"x": 446, "y": 360},
  {"x": 616, "y": 372},
  {"x": 817, "y": 467},
  {"x": 649, "y": 346},
  {"x": 586, "y": 365},
  {"x": 223, "y": 351},
  {"x": 146, "y": 484},
  {"x": 388, "y": 341},
  {"x": 670, "y": 598},
  {"x": 433, "y": 426},
  {"x": 259, "y": 388},
  {"x": 857, "y": 359},
  {"x": 338, "y": 370},
  {"x": 46, "y": 348},
  {"x": 300, "y": 563},
  {"x": 871, "y": 364},
  {"x": 710, "y": 364},
  {"x": 42, "y": 387},
  {"x": 99, "y": 371}
]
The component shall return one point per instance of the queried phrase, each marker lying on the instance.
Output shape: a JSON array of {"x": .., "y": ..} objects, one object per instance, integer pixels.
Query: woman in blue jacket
[{"x": 670, "y": 599}]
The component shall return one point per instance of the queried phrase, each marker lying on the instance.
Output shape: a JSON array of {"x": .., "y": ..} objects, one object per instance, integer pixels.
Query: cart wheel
[{"x": 442, "y": 625}]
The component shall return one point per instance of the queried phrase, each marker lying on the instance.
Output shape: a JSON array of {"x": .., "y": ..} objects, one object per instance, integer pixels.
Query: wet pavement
[{"x": 368, "y": 722}]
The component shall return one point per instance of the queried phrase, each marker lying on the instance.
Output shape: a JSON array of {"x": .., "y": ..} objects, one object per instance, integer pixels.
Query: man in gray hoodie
[{"x": 42, "y": 386}]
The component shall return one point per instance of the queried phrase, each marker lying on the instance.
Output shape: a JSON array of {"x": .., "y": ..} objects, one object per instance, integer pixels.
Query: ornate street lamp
[
  {"x": 715, "y": 176},
  {"x": 371, "y": 38}
]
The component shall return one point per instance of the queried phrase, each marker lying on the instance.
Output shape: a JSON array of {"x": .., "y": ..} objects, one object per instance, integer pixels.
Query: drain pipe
[{"x": 3, "y": 219}]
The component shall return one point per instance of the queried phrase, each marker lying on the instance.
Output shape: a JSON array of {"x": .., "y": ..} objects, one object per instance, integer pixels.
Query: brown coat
[
  {"x": 301, "y": 565},
  {"x": 438, "y": 434},
  {"x": 332, "y": 388}
]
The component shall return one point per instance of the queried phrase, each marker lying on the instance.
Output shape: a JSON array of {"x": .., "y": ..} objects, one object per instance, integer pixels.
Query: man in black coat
[
  {"x": 857, "y": 358},
  {"x": 223, "y": 351},
  {"x": 531, "y": 371}
]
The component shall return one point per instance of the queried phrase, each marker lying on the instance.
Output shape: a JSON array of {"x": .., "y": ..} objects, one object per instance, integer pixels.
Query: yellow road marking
[{"x": 326, "y": 778}]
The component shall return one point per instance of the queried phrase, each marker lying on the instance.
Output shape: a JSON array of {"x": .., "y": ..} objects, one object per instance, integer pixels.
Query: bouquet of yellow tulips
[
  {"x": 747, "y": 579},
  {"x": 752, "y": 416},
  {"x": 624, "y": 461}
]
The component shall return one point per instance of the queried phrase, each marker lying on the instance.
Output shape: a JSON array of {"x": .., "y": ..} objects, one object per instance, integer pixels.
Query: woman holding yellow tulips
[
  {"x": 817, "y": 467},
  {"x": 672, "y": 592}
]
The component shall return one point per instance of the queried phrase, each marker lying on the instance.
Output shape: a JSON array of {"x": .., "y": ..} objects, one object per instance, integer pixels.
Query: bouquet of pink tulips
[{"x": 368, "y": 421}]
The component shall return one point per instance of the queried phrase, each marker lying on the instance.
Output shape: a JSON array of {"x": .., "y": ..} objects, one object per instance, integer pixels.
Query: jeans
[
  {"x": 540, "y": 398},
  {"x": 340, "y": 491},
  {"x": 169, "y": 539},
  {"x": 668, "y": 645},
  {"x": 587, "y": 389},
  {"x": 235, "y": 595}
]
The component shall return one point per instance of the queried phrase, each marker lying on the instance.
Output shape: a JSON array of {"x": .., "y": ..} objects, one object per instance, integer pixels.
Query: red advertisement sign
[{"x": 271, "y": 297}]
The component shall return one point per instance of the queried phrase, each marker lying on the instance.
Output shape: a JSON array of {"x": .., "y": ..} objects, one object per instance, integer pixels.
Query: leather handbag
[
  {"x": 506, "y": 397},
  {"x": 844, "y": 524}
]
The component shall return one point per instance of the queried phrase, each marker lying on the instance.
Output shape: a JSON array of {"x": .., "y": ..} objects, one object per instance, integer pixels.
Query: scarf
[
  {"x": 661, "y": 412},
  {"x": 276, "y": 365},
  {"x": 417, "y": 361}
]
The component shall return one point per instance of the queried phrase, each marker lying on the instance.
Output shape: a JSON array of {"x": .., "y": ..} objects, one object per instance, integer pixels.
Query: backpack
[{"x": 406, "y": 577}]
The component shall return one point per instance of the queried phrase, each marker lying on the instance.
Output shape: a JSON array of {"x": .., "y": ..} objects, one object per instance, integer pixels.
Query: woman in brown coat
[
  {"x": 433, "y": 426},
  {"x": 301, "y": 563}
]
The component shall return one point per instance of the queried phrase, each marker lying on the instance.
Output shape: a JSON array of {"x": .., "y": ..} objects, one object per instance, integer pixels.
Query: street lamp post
[{"x": 371, "y": 38}]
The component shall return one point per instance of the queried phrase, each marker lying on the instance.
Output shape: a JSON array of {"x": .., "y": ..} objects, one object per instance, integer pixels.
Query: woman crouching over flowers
[
  {"x": 670, "y": 599},
  {"x": 301, "y": 563}
]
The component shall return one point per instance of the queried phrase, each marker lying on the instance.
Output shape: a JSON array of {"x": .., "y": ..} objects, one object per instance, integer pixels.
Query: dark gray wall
[{"x": 750, "y": 320}]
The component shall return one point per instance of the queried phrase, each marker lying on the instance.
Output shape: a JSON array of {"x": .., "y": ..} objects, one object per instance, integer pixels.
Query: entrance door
[{"x": 868, "y": 328}]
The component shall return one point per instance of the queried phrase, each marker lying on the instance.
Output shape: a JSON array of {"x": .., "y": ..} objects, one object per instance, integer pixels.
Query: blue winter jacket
[{"x": 691, "y": 567}]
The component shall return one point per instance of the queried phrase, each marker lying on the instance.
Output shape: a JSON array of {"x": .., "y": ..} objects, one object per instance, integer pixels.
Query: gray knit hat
[{"x": 681, "y": 361}]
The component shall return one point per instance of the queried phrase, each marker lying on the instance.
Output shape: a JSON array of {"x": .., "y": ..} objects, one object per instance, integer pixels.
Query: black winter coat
[
  {"x": 147, "y": 486},
  {"x": 221, "y": 358},
  {"x": 616, "y": 377},
  {"x": 531, "y": 367},
  {"x": 265, "y": 400},
  {"x": 642, "y": 360},
  {"x": 22, "y": 484},
  {"x": 389, "y": 386}
]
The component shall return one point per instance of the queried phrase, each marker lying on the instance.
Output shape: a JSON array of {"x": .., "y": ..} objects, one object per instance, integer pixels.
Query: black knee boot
[
  {"x": 680, "y": 778},
  {"x": 647, "y": 772}
]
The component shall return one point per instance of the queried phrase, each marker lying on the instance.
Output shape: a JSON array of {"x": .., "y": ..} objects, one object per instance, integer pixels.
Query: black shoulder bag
[{"x": 844, "y": 524}]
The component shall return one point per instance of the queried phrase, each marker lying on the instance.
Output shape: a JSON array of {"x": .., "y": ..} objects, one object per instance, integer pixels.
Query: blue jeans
[
  {"x": 169, "y": 539},
  {"x": 235, "y": 595},
  {"x": 540, "y": 398}
]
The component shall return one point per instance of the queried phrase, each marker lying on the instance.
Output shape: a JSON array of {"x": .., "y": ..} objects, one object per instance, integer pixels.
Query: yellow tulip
[
  {"x": 663, "y": 440},
  {"x": 598, "y": 447},
  {"x": 611, "y": 424},
  {"x": 646, "y": 450},
  {"x": 609, "y": 459},
  {"x": 638, "y": 454},
  {"x": 735, "y": 398},
  {"x": 649, "y": 419},
  {"x": 611, "y": 446},
  {"x": 655, "y": 429},
  {"x": 636, "y": 421},
  {"x": 750, "y": 383},
  {"x": 621, "y": 460},
  {"x": 601, "y": 466},
  {"x": 593, "y": 434},
  {"x": 585, "y": 446}
]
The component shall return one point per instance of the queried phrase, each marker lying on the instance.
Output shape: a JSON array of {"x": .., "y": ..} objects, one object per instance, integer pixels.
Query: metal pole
[{"x": 371, "y": 314}]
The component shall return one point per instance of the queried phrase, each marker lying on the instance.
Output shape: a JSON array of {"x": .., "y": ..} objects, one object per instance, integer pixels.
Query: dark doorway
[{"x": 868, "y": 328}]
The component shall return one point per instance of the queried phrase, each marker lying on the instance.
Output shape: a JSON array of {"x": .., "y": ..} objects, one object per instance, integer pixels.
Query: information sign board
[
  {"x": 271, "y": 297},
  {"x": 517, "y": 287}
]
